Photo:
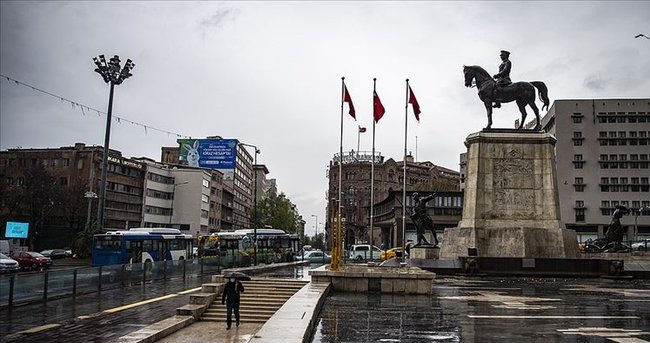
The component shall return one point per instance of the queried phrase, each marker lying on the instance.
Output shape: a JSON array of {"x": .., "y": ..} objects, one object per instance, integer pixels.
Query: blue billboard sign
[
  {"x": 209, "y": 153},
  {"x": 16, "y": 230}
]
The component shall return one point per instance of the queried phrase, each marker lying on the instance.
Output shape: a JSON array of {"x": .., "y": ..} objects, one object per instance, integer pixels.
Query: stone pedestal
[
  {"x": 511, "y": 203},
  {"x": 425, "y": 252}
]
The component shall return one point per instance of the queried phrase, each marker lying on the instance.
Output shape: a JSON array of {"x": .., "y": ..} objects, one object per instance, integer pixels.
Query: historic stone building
[
  {"x": 356, "y": 168},
  {"x": 445, "y": 210},
  {"x": 603, "y": 150}
]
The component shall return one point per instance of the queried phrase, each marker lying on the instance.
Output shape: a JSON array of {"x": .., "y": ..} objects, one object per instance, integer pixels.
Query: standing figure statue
[
  {"x": 421, "y": 219},
  {"x": 502, "y": 77},
  {"x": 499, "y": 89},
  {"x": 614, "y": 234}
]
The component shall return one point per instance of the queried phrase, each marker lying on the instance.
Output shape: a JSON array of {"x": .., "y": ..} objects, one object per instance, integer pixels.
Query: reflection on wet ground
[
  {"x": 493, "y": 310},
  {"x": 299, "y": 273}
]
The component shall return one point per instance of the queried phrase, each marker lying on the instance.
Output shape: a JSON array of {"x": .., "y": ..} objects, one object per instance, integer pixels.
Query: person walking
[{"x": 230, "y": 297}]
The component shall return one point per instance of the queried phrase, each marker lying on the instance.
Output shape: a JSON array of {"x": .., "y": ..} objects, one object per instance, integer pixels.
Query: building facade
[
  {"x": 238, "y": 181},
  {"x": 602, "y": 150},
  {"x": 76, "y": 171},
  {"x": 356, "y": 170},
  {"x": 445, "y": 210}
]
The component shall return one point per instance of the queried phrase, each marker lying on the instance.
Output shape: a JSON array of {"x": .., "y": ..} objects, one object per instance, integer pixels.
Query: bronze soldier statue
[
  {"x": 502, "y": 77},
  {"x": 421, "y": 219}
]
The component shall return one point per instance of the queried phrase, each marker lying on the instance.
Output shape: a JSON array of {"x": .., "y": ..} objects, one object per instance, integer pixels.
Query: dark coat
[{"x": 231, "y": 292}]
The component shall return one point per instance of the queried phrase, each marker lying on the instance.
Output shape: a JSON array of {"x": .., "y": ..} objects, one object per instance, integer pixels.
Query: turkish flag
[
  {"x": 413, "y": 101},
  {"x": 348, "y": 99},
  {"x": 362, "y": 129},
  {"x": 378, "y": 108}
]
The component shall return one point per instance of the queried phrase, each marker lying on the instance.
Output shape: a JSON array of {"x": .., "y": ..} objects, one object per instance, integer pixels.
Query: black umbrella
[{"x": 238, "y": 275}]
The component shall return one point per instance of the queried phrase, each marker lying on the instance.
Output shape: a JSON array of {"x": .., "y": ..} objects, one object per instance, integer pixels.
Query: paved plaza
[{"x": 494, "y": 310}]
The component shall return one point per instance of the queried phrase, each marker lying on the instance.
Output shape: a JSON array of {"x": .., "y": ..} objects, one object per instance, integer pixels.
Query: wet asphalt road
[
  {"x": 493, "y": 310},
  {"x": 100, "y": 327}
]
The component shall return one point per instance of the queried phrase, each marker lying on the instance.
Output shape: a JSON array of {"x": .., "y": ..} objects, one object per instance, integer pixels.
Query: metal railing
[{"x": 23, "y": 288}]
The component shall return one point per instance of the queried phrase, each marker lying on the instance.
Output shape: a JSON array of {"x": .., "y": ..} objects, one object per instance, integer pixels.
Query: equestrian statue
[{"x": 494, "y": 90}]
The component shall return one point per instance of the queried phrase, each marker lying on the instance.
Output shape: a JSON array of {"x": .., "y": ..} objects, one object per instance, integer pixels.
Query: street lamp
[
  {"x": 113, "y": 74},
  {"x": 257, "y": 151},
  {"x": 636, "y": 214},
  {"x": 171, "y": 215},
  {"x": 90, "y": 195},
  {"x": 316, "y": 228}
]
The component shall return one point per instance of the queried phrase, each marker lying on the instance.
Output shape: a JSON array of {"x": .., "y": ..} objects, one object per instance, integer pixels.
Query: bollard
[
  {"x": 45, "y": 277},
  {"x": 74, "y": 282},
  {"x": 144, "y": 274},
  {"x": 184, "y": 269},
  {"x": 201, "y": 264},
  {"x": 99, "y": 282},
  {"x": 12, "y": 281},
  {"x": 164, "y": 271}
]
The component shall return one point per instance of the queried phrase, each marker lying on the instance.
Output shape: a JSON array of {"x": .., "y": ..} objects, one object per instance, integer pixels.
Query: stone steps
[{"x": 260, "y": 300}]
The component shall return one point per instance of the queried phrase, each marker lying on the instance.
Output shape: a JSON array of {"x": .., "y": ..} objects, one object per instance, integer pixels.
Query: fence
[{"x": 35, "y": 287}]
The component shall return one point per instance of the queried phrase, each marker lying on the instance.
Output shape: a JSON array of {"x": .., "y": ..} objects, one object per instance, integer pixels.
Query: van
[{"x": 4, "y": 247}]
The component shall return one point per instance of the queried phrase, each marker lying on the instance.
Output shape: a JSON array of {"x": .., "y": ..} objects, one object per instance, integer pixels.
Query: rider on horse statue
[{"x": 502, "y": 77}]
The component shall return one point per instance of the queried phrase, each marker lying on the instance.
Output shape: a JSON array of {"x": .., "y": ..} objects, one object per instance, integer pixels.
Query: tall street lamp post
[
  {"x": 257, "y": 151},
  {"x": 113, "y": 74},
  {"x": 636, "y": 214},
  {"x": 316, "y": 229}
]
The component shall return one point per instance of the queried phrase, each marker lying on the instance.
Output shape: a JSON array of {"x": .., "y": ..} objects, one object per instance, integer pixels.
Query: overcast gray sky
[{"x": 269, "y": 73}]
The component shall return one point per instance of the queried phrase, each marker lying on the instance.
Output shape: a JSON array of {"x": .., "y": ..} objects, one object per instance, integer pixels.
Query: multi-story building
[
  {"x": 445, "y": 210},
  {"x": 389, "y": 176},
  {"x": 602, "y": 153},
  {"x": 261, "y": 182},
  {"x": 238, "y": 180},
  {"x": 182, "y": 197},
  {"x": 77, "y": 170}
]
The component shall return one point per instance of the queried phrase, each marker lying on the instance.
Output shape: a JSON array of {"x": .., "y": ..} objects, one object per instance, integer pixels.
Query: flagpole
[
  {"x": 340, "y": 204},
  {"x": 406, "y": 120},
  {"x": 358, "y": 139},
  {"x": 372, "y": 170}
]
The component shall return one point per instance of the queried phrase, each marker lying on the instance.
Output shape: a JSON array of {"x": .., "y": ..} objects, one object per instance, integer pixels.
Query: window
[
  {"x": 206, "y": 183},
  {"x": 577, "y": 138},
  {"x": 578, "y": 184},
  {"x": 63, "y": 181},
  {"x": 578, "y": 163},
  {"x": 204, "y": 198},
  {"x": 580, "y": 211}
]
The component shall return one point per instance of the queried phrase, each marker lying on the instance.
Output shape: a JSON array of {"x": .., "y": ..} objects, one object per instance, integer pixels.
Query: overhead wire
[{"x": 85, "y": 108}]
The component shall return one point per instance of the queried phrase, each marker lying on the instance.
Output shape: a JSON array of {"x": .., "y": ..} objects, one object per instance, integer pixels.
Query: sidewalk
[{"x": 212, "y": 332}]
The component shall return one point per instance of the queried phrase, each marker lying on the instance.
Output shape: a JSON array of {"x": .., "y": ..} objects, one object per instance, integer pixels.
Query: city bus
[
  {"x": 242, "y": 240},
  {"x": 141, "y": 245}
]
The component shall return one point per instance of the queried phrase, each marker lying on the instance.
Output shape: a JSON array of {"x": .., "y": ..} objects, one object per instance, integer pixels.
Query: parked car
[
  {"x": 314, "y": 256},
  {"x": 643, "y": 245},
  {"x": 391, "y": 253},
  {"x": 56, "y": 253},
  {"x": 31, "y": 260},
  {"x": 362, "y": 252},
  {"x": 7, "y": 264}
]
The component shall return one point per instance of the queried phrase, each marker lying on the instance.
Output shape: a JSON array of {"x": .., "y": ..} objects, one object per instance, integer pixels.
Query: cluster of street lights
[{"x": 113, "y": 74}]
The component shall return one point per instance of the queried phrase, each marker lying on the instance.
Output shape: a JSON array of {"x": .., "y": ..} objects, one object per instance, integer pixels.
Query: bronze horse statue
[{"x": 521, "y": 92}]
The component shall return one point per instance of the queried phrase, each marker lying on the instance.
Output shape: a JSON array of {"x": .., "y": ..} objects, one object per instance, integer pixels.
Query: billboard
[
  {"x": 16, "y": 230},
  {"x": 209, "y": 153}
]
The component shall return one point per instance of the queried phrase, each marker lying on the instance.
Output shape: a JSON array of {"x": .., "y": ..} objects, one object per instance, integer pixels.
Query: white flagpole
[
  {"x": 358, "y": 139},
  {"x": 372, "y": 168},
  {"x": 341, "y": 156},
  {"x": 406, "y": 120}
]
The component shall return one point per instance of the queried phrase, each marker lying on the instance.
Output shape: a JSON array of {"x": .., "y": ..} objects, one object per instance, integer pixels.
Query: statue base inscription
[
  {"x": 425, "y": 252},
  {"x": 511, "y": 204}
]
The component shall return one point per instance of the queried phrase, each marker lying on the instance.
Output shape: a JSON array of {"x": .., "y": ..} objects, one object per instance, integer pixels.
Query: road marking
[
  {"x": 550, "y": 317},
  {"x": 112, "y": 310},
  {"x": 190, "y": 290},
  {"x": 612, "y": 334},
  {"x": 39, "y": 328}
]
